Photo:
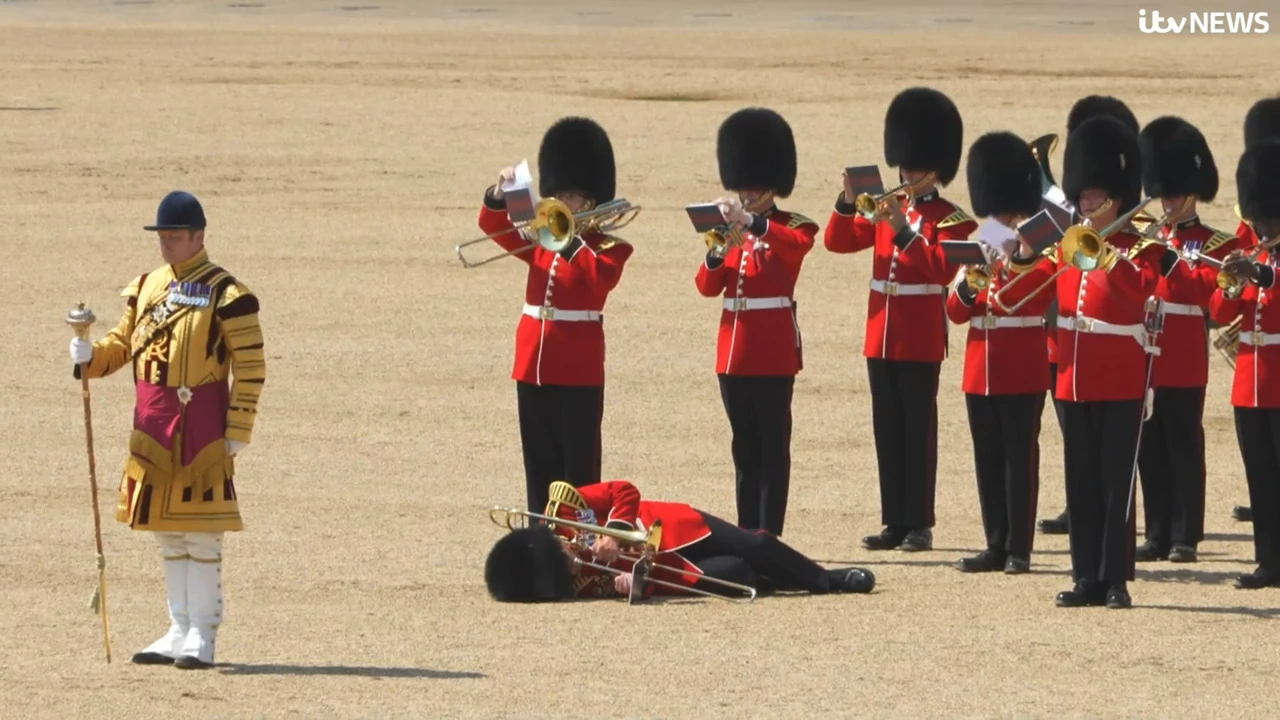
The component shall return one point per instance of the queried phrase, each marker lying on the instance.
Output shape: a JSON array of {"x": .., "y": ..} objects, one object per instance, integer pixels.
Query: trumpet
[
  {"x": 644, "y": 562},
  {"x": 1083, "y": 248},
  {"x": 553, "y": 227},
  {"x": 867, "y": 203},
  {"x": 720, "y": 239}
]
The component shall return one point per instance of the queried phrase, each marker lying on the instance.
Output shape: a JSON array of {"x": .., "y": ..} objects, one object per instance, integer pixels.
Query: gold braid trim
[{"x": 243, "y": 336}]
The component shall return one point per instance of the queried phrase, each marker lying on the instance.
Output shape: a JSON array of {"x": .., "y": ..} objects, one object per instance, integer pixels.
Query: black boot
[
  {"x": 1084, "y": 594},
  {"x": 853, "y": 580},
  {"x": 1257, "y": 580},
  {"x": 1118, "y": 597},
  {"x": 1150, "y": 551},
  {"x": 918, "y": 540},
  {"x": 1054, "y": 526},
  {"x": 1243, "y": 513},
  {"x": 985, "y": 561},
  {"x": 888, "y": 539},
  {"x": 1183, "y": 554}
]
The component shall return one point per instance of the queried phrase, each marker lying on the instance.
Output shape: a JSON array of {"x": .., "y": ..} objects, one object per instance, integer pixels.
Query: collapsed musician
[
  {"x": 536, "y": 565},
  {"x": 560, "y": 348}
]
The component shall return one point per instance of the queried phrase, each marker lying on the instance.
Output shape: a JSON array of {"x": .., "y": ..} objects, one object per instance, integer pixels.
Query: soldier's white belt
[
  {"x": 893, "y": 288},
  {"x": 769, "y": 303},
  {"x": 1257, "y": 339},
  {"x": 1181, "y": 309},
  {"x": 1085, "y": 324},
  {"x": 991, "y": 322},
  {"x": 546, "y": 312}
]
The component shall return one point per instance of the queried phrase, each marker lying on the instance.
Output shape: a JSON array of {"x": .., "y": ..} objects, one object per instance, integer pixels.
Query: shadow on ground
[{"x": 347, "y": 670}]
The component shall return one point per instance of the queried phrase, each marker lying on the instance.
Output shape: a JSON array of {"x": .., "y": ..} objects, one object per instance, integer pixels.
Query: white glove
[
  {"x": 81, "y": 351},
  {"x": 235, "y": 446}
]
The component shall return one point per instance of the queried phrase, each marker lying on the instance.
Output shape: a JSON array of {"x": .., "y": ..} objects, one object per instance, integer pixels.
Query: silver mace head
[{"x": 81, "y": 318}]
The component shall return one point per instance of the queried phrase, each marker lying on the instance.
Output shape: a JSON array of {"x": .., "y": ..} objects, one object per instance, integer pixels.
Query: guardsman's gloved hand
[
  {"x": 235, "y": 446},
  {"x": 81, "y": 351}
]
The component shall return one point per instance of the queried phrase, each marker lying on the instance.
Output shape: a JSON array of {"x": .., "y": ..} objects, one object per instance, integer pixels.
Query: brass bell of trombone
[{"x": 553, "y": 227}]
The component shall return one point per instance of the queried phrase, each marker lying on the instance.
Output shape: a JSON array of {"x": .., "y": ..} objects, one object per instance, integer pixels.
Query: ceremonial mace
[{"x": 80, "y": 319}]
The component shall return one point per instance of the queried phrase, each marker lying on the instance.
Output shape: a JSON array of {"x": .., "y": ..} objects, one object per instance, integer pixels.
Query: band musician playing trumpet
[
  {"x": 697, "y": 553},
  {"x": 1108, "y": 273},
  {"x": 906, "y": 333},
  {"x": 560, "y": 347},
  {"x": 754, "y": 266},
  {"x": 1006, "y": 362},
  {"x": 1260, "y": 122},
  {"x": 1178, "y": 169},
  {"x": 1247, "y": 290}
]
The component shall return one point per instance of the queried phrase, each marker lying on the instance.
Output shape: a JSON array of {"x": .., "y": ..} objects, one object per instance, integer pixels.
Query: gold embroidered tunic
[{"x": 186, "y": 330}]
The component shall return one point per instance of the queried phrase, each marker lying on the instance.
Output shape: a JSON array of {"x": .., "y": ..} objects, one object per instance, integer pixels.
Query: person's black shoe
[
  {"x": 853, "y": 580},
  {"x": 1017, "y": 565},
  {"x": 1150, "y": 551},
  {"x": 1118, "y": 597},
  {"x": 1183, "y": 554},
  {"x": 985, "y": 561},
  {"x": 1084, "y": 594},
  {"x": 1257, "y": 580},
  {"x": 888, "y": 539},
  {"x": 918, "y": 540},
  {"x": 1243, "y": 513},
  {"x": 1054, "y": 526},
  {"x": 151, "y": 658}
]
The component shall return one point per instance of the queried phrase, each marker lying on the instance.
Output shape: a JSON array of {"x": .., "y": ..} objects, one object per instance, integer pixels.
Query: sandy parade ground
[{"x": 341, "y": 152}]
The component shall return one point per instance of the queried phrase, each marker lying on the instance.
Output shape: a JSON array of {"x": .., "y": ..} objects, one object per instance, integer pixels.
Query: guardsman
[
  {"x": 1103, "y": 368},
  {"x": 906, "y": 334},
  {"x": 1179, "y": 169},
  {"x": 1255, "y": 392},
  {"x": 1262, "y": 121},
  {"x": 1083, "y": 109},
  {"x": 758, "y": 351},
  {"x": 537, "y": 564},
  {"x": 1006, "y": 361},
  {"x": 187, "y": 327},
  {"x": 560, "y": 348}
]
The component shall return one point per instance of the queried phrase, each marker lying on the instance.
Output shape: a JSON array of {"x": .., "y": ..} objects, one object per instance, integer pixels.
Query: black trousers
[
  {"x": 1101, "y": 440},
  {"x": 754, "y": 558},
  {"x": 1006, "y": 454},
  {"x": 560, "y": 437},
  {"x": 904, "y": 417},
  {"x": 1171, "y": 465},
  {"x": 1258, "y": 431},
  {"x": 1053, "y": 395},
  {"x": 759, "y": 410}
]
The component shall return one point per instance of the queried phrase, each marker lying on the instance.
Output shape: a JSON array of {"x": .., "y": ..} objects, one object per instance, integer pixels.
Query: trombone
[
  {"x": 867, "y": 203},
  {"x": 644, "y": 560},
  {"x": 1082, "y": 248},
  {"x": 553, "y": 227}
]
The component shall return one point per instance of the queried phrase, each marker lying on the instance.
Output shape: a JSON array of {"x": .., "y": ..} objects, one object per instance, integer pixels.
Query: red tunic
[
  {"x": 906, "y": 316},
  {"x": 617, "y": 503},
  {"x": 1184, "y": 348},
  {"x": 1006, "y": 354},
  {"x": 759, "y": 333},
  {"x": 1257, "y": 378},
  {"x": 560, "y": 336},
  {"x": 1101, "y": 336}
]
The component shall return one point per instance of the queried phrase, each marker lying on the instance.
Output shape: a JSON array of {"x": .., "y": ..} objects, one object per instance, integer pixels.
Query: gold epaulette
[
  {"x": 1018, "y": 268},
  {"x": 797, "y": 220},
  {"x": 1218, "y": 240},
  {"x": 610, "y": 241},
  {"x": 1142, "y": 221},
  {"x": 959, "y": 217},
  {"x": 1143, "y": 245}
]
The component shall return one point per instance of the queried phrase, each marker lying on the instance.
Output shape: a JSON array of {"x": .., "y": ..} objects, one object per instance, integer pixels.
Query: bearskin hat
[
  {"x": 576, "y": 155},
  {"x": 923, "y": 132},
  {"x": 756, "y": 149},
  {"x": 1003, "y": 175},
  {"x": 1176, "y": 160},
  {"x": 1102, "y": 153},
  {"x": 1094, "y": 105},
  {"x": 528, "y": 565},
  {"x": 1262, "y": 120},
  {"x": 1258, "y": 180}
]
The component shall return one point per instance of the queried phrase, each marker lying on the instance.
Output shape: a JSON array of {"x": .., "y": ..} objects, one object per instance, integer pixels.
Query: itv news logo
[{"x": 1204, "y": 23}]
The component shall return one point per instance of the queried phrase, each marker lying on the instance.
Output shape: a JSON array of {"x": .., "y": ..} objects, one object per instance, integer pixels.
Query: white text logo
[{"x": 1205, "y": 23}]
